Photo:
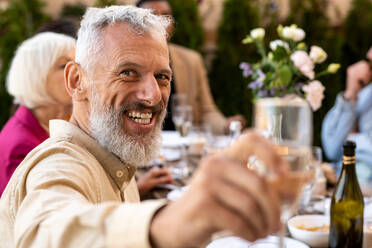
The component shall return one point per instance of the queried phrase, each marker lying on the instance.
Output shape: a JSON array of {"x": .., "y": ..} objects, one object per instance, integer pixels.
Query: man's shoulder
[
  {"x": 60, "y": 147},
  {"x": 182, "y": 51}
]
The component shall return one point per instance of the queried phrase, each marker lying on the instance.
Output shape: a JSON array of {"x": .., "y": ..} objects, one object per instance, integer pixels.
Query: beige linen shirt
[{"x": 69, "y": 192}]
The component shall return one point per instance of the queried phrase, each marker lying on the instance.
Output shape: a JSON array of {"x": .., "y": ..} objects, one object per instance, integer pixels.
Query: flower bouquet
[{"x": 288, "y": 67}]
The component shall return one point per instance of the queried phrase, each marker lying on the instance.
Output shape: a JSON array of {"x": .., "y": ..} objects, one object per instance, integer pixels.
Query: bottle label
[{"x": 348, "y": 160}]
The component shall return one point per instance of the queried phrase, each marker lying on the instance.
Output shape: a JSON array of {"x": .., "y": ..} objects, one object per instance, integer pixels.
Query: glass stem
[
  {"x": 184, "y": 160},
  {"x": 281, "y": 235}
]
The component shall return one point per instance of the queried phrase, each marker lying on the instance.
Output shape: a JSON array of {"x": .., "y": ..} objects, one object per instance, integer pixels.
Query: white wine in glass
[{"x": 287, "y": 122}]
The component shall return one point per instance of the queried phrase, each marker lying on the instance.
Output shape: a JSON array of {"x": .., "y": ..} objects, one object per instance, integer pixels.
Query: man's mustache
[{"x": 142, "y": 106}]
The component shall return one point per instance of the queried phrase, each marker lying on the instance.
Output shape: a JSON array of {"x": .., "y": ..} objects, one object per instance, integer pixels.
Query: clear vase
[{"x": 286, "y": 118}]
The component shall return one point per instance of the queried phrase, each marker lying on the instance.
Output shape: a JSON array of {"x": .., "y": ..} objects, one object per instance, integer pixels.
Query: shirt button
[{"x": 119, "y": 173}]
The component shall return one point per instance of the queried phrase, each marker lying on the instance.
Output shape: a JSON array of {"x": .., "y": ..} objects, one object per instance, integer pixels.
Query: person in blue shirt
[{"x": 351, "y": 118}]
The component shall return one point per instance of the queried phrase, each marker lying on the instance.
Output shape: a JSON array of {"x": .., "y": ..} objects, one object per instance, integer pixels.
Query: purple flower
[
  {"x": 259, "y": 82},
  {"x": 247, "y": 69},
  {"x": 254, "y": 85},
  {"x": 262, "y": 93},
  {"x": 272, "y": 92}
]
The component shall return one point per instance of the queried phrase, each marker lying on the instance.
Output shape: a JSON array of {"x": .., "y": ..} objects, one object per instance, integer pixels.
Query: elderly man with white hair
[{"x": 77, "y": 188}]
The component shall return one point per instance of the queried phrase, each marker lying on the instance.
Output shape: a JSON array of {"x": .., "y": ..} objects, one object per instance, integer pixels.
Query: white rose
[
  {"x": 293, "y": 33},
  {"x": 258, "y": 33},
  {"x": 314, "y": 94},
  {"x": 275, "y": 43},
  {"x": 317, "y": 54},
  {"x": 303, "y": 63}
]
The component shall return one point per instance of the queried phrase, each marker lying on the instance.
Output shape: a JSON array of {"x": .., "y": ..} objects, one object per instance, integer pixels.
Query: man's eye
[
  {"x": 162, "y": 77},
  {"x": 127, "y": 73}
]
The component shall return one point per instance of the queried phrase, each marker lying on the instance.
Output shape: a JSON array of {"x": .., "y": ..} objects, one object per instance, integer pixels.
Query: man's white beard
[{"x": 107, "y": 128}]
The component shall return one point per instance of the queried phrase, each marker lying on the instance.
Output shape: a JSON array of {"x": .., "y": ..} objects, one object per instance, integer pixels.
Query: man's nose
[{"x": 149, "y": 91}]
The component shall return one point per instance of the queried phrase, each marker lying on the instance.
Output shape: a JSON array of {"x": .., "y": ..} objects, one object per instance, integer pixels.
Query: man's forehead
[
  {"x": 123, "y": 35},
  {"x": 121, "y": 42}
]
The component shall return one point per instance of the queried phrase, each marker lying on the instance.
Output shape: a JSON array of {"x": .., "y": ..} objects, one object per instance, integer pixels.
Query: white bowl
[
  {"x": 312, "y": 238},
  {"x": 320, "y": 238}
]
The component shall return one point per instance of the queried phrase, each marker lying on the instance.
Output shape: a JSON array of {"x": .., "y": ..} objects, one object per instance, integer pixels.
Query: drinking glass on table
[
  {"x": 182, "y": 117},
  {"x": 315, "y": 173}
]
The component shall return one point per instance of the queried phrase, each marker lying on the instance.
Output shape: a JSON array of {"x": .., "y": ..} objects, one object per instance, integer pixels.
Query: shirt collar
[{"x": 120, "y": 172}]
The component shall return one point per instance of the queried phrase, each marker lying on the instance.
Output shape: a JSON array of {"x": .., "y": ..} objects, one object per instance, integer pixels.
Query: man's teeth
[{"x": 143, "y": 118}]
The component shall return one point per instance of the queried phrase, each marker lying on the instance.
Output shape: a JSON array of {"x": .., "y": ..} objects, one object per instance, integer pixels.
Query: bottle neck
[{"x": 348, "y": 164}]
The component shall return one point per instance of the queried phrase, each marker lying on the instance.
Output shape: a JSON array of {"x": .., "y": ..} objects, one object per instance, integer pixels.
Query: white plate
[
  {"x": 173, "y": 139},
  {"x": 235, "y": 242},
  {"x": 176, "y": 194}
]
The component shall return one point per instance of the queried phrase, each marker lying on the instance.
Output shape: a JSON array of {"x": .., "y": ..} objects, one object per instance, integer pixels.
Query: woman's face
[{"x": 55, "y": 84}]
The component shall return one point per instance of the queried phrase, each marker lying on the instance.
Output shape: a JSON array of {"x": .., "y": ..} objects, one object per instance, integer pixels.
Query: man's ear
[{"x": 74, "y": 81}]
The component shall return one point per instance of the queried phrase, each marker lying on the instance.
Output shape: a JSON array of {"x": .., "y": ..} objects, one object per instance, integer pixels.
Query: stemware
[
  {"x": 287, "y": 122},
  {"x": 315, "y": 173},
  {"x": 182, "y": 117}
]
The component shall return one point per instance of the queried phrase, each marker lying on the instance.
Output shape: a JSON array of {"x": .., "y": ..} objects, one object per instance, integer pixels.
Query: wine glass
[
  {"x": 182, "y": 116},
  {"x": 287, "y": 122},
  {"x": 315, "y": 173}
]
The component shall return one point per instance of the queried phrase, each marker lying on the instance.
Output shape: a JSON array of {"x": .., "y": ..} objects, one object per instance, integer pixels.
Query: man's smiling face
[{"x": 130, "y": 86}]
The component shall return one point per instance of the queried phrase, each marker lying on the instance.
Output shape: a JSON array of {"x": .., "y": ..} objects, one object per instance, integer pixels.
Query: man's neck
[{"x": 81, "y": 120}]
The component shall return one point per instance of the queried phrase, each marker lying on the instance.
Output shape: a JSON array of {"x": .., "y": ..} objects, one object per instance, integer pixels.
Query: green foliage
[
  {"x": 358, "y": 30},
  {"x": 18, "y": 22},
  {"x": 188, "y": 28},
  {"x": 226, "y": 81},
  {"x": 104, "y": 3},
  {"x": 75, "y": 10},
  {"x": 311, "y": 16}
]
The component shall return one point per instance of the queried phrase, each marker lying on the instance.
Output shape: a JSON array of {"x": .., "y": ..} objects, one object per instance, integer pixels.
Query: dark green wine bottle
[{"x": 347, "y": 205}]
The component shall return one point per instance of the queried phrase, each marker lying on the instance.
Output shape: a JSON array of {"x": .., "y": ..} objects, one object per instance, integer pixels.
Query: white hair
[
  {"x": 27, "y": 76},
  {"x": 96, "y": 19}
]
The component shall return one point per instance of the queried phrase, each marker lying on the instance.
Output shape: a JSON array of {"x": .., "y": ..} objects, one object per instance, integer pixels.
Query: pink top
[{"x": 19, "y": 136}]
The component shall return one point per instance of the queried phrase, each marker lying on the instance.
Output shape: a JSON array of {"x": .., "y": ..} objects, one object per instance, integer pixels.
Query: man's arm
[
  {"x": 65, "y": 206},
  {"x": 342, "y": 118},
  {"x": 223, "y": 195},
  {"x": 337, "y": 124}
]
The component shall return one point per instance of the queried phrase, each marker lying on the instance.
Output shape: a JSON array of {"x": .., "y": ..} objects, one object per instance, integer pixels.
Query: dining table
[{"x": 169, "y": 157}]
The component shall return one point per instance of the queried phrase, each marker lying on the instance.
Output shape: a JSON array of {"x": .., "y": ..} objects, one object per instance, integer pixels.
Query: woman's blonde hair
[{"x": 26, "y": 80}]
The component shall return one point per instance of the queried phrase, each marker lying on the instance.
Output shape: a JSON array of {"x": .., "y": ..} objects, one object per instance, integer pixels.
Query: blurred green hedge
[
  {"x": 18, "y": 22},
  {"x": 345, "y": 44}
]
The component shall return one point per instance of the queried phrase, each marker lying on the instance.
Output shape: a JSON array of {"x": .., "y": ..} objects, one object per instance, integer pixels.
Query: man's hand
[
  {"x": 152, "y": 178},
  {"x": 369, "y": 55},
  {"x": 358, "y": 76},
  {"x": 223, "y": 195}
]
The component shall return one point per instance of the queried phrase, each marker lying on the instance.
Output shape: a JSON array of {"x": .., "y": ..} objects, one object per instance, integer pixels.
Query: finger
[
  {"x": 159, "y": 172},
  {"x": 165, "y": 179},
  {"x": 241, "y": 202},
  {"x": 225, "y": 219},
  {"x": 254, "y": 186},
  {"x": 252, "y": 143}
]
